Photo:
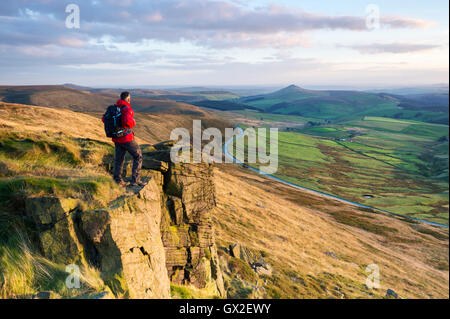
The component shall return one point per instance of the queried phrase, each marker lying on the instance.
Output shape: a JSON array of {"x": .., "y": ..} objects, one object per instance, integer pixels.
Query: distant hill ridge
[
  {"x": 341, "y": 104},
  {"x": 89, "y": 101}
]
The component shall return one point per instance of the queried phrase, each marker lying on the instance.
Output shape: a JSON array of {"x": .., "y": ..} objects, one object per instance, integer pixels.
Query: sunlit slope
[
  {"x": 317, "y": 248},
  {"x": 342, "y": 105},
  {"x": 320, "y": 248},
  {"x": 87, "y": 101}
]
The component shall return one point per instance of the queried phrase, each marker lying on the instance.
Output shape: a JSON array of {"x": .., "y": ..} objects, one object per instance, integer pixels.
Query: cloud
[
  {"x": 118, "y": 35},
  {"x": 71, "y": 42},
  {"x": 376, "y": 48},
  {"x": 399, "y": 22},
  {"x": 203, "y": 22},
  {"x": 154, "y": 17}
]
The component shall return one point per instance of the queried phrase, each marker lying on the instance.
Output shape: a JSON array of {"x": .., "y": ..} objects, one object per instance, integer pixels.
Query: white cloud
[{"x": 395, "y": 47}]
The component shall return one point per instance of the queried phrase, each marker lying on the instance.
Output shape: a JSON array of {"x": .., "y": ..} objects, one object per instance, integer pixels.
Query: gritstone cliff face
[
  {"x": 144, "y": 240},
  {"x": 187, "y": 200}
]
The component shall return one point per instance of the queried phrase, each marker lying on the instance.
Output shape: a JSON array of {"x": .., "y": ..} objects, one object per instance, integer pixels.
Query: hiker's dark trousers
[{"x": 135, "y": 151}]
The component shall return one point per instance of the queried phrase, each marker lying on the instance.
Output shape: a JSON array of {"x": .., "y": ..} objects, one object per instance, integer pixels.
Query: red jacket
[{"x": 127, "y": 122}]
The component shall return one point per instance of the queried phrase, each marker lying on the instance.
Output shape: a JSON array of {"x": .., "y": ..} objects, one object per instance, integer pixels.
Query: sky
[{"x": 136, "y": 43}]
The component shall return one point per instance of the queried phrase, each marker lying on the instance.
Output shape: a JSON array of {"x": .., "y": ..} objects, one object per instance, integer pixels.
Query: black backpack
[{"x": 113, "y": 122}]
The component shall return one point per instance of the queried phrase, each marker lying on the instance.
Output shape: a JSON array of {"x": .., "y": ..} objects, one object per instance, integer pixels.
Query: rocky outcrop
[
  {"x": 125, "y": 244},
  {"x": 186, "y": 225},
  {"x": 245, "y": 271},
  {"x": 152, "y": 235},
  {"x": 123, "y": 240}
]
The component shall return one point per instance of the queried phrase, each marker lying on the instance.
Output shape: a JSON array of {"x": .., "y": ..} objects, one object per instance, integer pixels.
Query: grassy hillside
[
  {"x": 316, "y": 248},
  {"x": 87, "y": 101},
  {"x": 396, "y": 165},
  {"x": 320, "y": 248},
  {"x": 178, "y": 95},
  {"x": 223, "y": 105},
  {"x": 341, "y": 105}
]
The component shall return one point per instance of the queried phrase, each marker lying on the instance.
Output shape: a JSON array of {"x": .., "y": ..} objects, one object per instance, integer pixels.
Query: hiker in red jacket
[{"x": 127, "y": 143}]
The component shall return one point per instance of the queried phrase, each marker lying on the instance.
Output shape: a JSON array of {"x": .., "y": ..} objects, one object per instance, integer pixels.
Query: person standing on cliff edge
[{"x": 126, "y": 143}]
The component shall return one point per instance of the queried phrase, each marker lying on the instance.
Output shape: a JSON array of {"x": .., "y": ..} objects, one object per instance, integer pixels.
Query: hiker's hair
[{"x": 124, "y": 95}]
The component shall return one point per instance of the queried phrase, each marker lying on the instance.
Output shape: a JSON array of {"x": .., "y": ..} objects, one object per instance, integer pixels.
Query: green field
[
  {"x": 269, "y": 117},
  {"x": 401, "y": 164},
  {"x": 218, "y": 96},
  {"x": 341, "y": 105}
]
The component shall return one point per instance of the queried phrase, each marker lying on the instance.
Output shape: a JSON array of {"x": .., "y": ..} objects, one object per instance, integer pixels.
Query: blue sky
[{"x": 218, "y": 42}]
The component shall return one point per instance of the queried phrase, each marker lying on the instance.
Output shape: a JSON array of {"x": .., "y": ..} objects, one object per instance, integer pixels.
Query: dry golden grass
[
  {"x": 55, "y": 121},
  {"x": 296, "y": 229},
  {"x": 22, "y": 270}
]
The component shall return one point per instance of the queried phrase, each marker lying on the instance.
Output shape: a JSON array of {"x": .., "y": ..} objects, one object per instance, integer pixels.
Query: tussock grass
[
  {"x": 238, "y": 266},
  {"x": 24, "y": 272},
  {"x": 94, "y": 192},
  {"x": 27, "y": 153},
  {"x": 191, "y": 292}
]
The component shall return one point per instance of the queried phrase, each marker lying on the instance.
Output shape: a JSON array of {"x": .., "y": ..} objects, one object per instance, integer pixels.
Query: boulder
[
  {"x": 392, "y": 294},
  {"x": 147, "y": 148},
  {"x": 262, "y": 268},
  {"x": 235, "y": 250},
  {"x": 126, "y": 244},
  {"x": 155, "y": 175},
  {"x": 245, "y": 254}
]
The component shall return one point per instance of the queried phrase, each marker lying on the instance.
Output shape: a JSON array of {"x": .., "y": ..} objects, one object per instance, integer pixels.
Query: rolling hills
[
  {"x": 340, "y": 105},
  {"x": 186, "y": 95},
  {"x": 156, "y": 118},
  {"x": 87, "y": 101},
  {"x": 315, "y": 248}
]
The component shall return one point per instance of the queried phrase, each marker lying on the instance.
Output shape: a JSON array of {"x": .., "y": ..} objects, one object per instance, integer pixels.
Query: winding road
[{"x": 241, "y": 133}]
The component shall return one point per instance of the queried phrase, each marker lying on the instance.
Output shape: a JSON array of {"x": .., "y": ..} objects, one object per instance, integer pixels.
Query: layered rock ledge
[{"x": 143, "y": 240}]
